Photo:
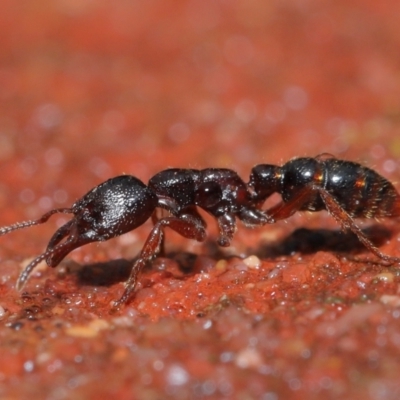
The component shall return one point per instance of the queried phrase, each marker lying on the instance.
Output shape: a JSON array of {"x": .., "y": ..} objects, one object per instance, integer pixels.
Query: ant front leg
[
  {"x": 347, "y": 222},
  {"x": 187, "y": 225}
]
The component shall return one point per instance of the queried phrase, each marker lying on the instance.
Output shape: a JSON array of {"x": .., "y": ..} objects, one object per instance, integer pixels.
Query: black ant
[{"x": 345, "y": 189}]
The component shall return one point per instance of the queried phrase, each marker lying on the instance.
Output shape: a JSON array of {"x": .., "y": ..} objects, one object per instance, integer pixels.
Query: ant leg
[
  {"x": 155, "y": 219},
  {"x": 347, "y": 222},
  {"x": 253, "y": 217},
  {"x": 24, "y": 224},
  {"x": 249, "y": 216},
  {"x": 284, "y": 210},
  {"x": 170, "y": 205},
  {"x": 187, "y": 225},
  {"x": 227, "y": 228}
]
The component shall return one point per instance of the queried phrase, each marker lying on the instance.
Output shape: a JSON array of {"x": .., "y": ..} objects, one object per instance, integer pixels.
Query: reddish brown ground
[{"x": 89, "y": 91}]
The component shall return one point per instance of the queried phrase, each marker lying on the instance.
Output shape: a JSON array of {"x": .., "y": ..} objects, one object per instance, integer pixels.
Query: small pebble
[
  {"x": 248, "y": 358},
  {"x": 385, "y": 277},
  {"x": 252, "y": 262},
  {"x": 390, "y": 300},
  {"x": 2, "y": 312},
  {"x": 88, "y": 331}
]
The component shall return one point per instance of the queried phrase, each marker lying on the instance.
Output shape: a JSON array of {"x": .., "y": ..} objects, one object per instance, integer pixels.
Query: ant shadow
[
  {"x": 116, "y": 271},
  {"x": 302, "y": 241},
  {"x": 309, "y": 241},
  {"x": 105, "y": 273}
]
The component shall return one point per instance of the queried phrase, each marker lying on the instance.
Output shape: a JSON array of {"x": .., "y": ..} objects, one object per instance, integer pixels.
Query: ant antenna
[
  {"x": 26, "y": 272},
  {"x": 24, "y": 224}
]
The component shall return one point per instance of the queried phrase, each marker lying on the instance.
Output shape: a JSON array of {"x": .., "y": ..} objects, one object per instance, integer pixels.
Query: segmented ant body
[{"x": 345, "y": 189}]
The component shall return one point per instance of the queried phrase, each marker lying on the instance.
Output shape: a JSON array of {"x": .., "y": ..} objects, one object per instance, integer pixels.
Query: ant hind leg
[{"x": 347, "y": 222}]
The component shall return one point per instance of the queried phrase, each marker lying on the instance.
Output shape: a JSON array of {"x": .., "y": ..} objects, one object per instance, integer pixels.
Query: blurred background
[{"x": 93, "y": 89}]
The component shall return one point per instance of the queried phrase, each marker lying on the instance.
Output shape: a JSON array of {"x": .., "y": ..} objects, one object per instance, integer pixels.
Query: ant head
[
  {"x": 265, "y": 180},
  {"x": 114, "y": 207},
  {"x": 109, "y": 210}
]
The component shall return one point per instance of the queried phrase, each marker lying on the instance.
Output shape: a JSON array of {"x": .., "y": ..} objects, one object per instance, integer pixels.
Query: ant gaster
[
  {"x": 123, "y": 203},
  {"x": 347, "y": 190}
]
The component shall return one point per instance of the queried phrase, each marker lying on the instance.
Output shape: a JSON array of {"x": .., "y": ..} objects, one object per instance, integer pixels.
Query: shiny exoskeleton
[
  {"x": 346, "y": 189},
  {"x": 220, "y": 192},
  {"x": 123, "y": 203}
]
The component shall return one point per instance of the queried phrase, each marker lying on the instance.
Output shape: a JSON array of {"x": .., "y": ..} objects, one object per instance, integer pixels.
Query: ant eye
[{"x": 208, "y": 194}]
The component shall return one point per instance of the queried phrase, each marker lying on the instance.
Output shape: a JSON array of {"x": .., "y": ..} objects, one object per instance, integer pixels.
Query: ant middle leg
[{"x": 187, "y": 225}]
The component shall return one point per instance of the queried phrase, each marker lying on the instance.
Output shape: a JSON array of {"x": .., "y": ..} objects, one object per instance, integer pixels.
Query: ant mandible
[{"x": 345, "y": 189}]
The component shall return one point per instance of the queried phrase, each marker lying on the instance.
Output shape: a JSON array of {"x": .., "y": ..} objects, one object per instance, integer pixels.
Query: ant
[{"x": 345, "y": 189}]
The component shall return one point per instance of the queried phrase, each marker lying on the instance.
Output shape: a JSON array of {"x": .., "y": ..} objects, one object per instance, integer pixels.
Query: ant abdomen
[
  {"x": 346, "y": 189},
  {"x": 359, "y": 190}
]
